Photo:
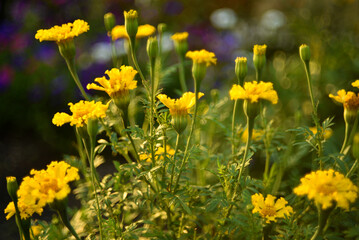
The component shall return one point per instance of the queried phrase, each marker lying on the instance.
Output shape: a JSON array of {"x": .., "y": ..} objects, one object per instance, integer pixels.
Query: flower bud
[
  {"x": 251, "y": 110},
  {"x": 67, "y": 49},
  {"x": 131, "y": 23},
  {"x": 304, "y": 52},
  {"x": 179, "y": 122},
  {"x": 110, "y": 21},
  {"x": 241, "y": 69},
  {"x": 355, "y": 148},
  {"x": 180, "y": 43},
  {"x": 152, "y": 48},
  {"x": 350, "y": 115},
  {"x": 12, "y": 188},
  {"x": 259, "y": 56},
  {"x": 161, "y": 28}
]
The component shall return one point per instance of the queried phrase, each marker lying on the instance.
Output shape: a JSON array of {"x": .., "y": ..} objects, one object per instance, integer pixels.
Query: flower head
[
  {"x": 259, "y": 49},
  {"x": 269, "y": 209},
  {"x": 159, "y": 154},
  {"x": 81, "y": 112},
  {"x": 327, "y": 133},
  {"x": 119, "y": 31},
  {"x": 350, "y": 100},
  {"x": 257, "y": 134},
  {"x": 179, "y": 37},
  {"x": 202, "y": 56},
  {"x": 254, "y": 91},
  {"x": 120, "y": 81},
  {"x": 327, "y": 188},
  {"x": 179, "y": 106},
  {"x": 63, "y": 32},
  {"x": 356, "y": 84}
]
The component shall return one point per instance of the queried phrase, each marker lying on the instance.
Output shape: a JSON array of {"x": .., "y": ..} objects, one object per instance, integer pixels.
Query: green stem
[
  {"x": 165, "y": 154},
  {"x": 182, "y": 75},
  {"x": 186, "y": 154},
  {"x": 92, "y": 168},
  {"x": 65, "y": 220},
  {"x": 71, "y": 66},
  {"x": 174, "y": 162},
  {"x": 353, "y": 168},
  {"x": 125, "y": 124},
  {"x": 266, "y": 144},
  {"x": 323, "y": 216},
  {"x": 348, "y": 128},
  {"x": 233, "y": 131},
  {"x": 152, "y": 106},
  {"x": 134, "y": 58}
]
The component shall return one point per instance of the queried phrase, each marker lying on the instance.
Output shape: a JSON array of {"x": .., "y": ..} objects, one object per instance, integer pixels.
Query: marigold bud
[
  {"x": 180, "y": 43},
  {"x": 259, "y": 56},
  {"x": 131, "y": 23},
  {"x": 161, "y": 28},
  {"x": 241, "y": 69},
  {"x": 304, "y": 52},
  {"x": 152, "y": 48},
  {"x": 67, "y": 49},
  {"x": 179, "y": 122},
  {"x": 12, "y": 187},
  {"x": 110, "y": 21}
]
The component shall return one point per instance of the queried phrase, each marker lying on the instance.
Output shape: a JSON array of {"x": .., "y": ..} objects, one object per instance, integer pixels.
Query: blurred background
[{"x": 35, "y": 83}]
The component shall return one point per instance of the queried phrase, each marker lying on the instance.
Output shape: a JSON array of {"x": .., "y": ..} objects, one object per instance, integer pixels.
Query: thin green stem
[
  {"x": 92, "y": 168},
  {"x": 233, "y": 131},
  {"x": 348, "y": 128},
  {"x": 353, "y": 168},
  {"x": 134, "y": 58},
  {"x": 65, "y": 220},
  {"x": 174, "y": 161},
  {"x": 186, "y": 154},
  {"x": 182, "y": 75},
  {"x": 266, "y": 144},
  {"x": 152, "y": 106},
  {"x": 165, "y": 154},
  {"x": 71, "y": 66}
]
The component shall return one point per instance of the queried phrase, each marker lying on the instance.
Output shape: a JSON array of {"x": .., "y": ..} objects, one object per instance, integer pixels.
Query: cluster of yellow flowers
[
  {"x": 81, "y": 112},
  {"x": 179, "y": 106},
  {"x": 253, "y": 91},
  {"x": 42, "y": 188},
  {"x": 63, "y": 32},
  {"x": 328, "y": 187},
  {"x": 269, "y": 209}
]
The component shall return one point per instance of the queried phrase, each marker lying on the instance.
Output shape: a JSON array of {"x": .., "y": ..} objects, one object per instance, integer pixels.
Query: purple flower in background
[
  {"x": 173, "y": 7},
  {"x": 6, "y": 76},
  {"x": 46, "y": 52}
]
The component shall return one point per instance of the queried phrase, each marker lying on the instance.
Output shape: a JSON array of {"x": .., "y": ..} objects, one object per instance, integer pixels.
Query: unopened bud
[
  {"x": 110, "y": 21},
  {"x": 131, "y": 23},
  {"x": 180, "y": 43},
  {"x": 259, "y": 56},
  {"x": 161, "y": 28},
  {"x": 241, "y": 69},
  {"x": 12, "y": 188},
  {"x": 304, "y": 52},
  {"x": 152, "y": 48}
]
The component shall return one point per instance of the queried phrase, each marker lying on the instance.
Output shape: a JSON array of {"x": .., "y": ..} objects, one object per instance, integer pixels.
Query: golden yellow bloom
[
  {"x": 81, "y": 112},
  {"x": 159, "y": 154},
  {"x": 36, "y": 230},
  {"x": 120, "y": 81},
  {"x": 259, "y": 49},
  {"x": 254, "y": 91},
  {"x": 241, "y": 60},
  {"x": 327, "y": 187},
  {"x": 63, "y": 32},
  {"x": 327, "y": 134},
  {"x": 202, "y": 56},
  {"x": 178, "y": 37},
  {"x": 269, "y": 209},
  {"x": 179, "y": 106},
  {"x": 350, "y": 100},
  {"x": 119, "y": 31}
]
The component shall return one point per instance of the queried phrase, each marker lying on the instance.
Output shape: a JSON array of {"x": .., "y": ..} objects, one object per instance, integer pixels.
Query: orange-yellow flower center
[
  {"x": 326, "y": 189},
  {"x": 268, "y": 210}
]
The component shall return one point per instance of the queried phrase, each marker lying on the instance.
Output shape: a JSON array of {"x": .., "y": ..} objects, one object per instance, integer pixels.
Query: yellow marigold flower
[
  {"x": 36, "y": 230},
  {"x": 327, "y": 134},
  {"x": 356, "y": 84},
  {"x": 269, "y": 209},
  {"x": 350, "y": 100},
  {"x": 179, "y": 106},
  {"x": 254, "y": 91},
  {"x": 178, "y": 37},
  {"x": 120, "y": 81},
  {"x": 202, "y": 56},
  {"x": 327, "y": 188},
  {"x": 119, "y": 31},
  {"x": 63, "y": 32},
  {"x": 259, "y": 49},
  {"x": 81, "y": 112},
  {"x": 158, "y": 154}
]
